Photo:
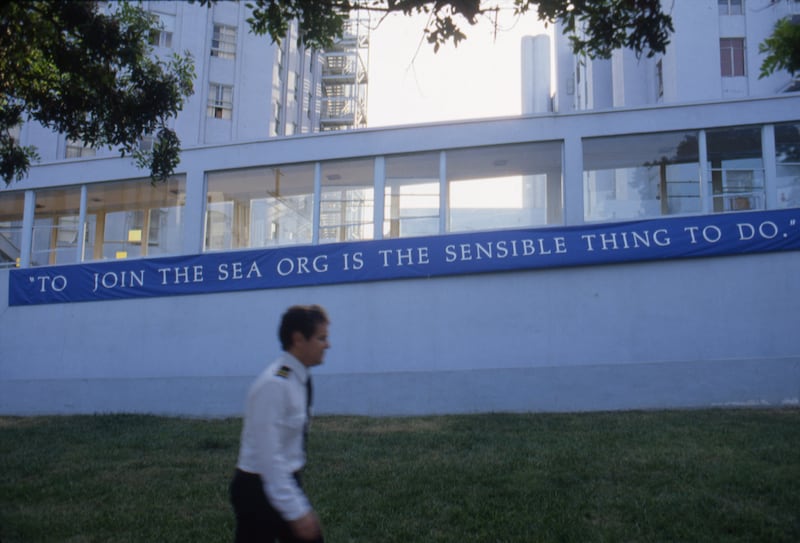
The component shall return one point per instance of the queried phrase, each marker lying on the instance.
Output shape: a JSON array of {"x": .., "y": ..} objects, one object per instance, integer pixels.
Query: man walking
[{"x": 266, "y": 490}]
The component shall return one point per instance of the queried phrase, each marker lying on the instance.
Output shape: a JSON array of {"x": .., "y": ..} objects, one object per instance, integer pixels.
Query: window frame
[
  {"x": 731, "y": 7},
  {"x": 733, "y": 57},
  {"x": 220, "y": 101},
  {"x": 223, "y": 41}
]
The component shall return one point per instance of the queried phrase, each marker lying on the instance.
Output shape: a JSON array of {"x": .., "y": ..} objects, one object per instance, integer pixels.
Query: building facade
[
  {"x": 247, "y": 88},
  {"x": 445, "y": 297},
  {"x": 713, "y": 55},
  {"x": 618, "y": 258}
]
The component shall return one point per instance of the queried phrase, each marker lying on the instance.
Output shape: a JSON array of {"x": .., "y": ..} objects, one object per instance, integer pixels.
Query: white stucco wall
[{"x": 717, "y": 331}]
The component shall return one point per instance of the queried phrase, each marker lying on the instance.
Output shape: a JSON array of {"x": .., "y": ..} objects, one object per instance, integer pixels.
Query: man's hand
[{"x": 307, "y": 527}]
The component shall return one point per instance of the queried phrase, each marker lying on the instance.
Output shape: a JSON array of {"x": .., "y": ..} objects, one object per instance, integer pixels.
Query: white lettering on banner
[
  {"x": 463, "y": 252},
  {"x": 123, "y": 279},
  {"x": 710, "y": 233},
  {"x": 235, "y": 270},
  {"x": 627, "y": 240},
  {"x": 357, "y": 261},
  {"x": 405, "y": 257},
  {"x": 57, "y": 283},
  {"x": 299, "y": 265},
  {"x": 182, "y": 275},
  {"x": 767, "y": 230},
  {"x": 733, "y": 233}
]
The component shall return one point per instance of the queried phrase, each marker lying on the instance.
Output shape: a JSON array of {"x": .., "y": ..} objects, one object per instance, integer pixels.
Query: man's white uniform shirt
[{"x": 272, "y": 442}]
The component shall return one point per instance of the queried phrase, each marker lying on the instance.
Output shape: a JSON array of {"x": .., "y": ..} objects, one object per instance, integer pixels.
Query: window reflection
[
  {"x": 12, "y": 206},
  {"x": 135, "y": 218},
  {"x": 509, "y": 186},
  {"x": 347, "y": 201},
  {"x": 411, "y": 195},
  {"x": 56, "y": 227},
  {"x": 643, "y": 175},
  {"x": 737, "y": 170},
  {"x": 787, "y": 158},
  {"x": 259, "y": 207}
]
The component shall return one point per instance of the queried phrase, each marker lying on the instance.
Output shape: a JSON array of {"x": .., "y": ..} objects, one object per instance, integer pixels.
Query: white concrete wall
[{"x": 706, "y": 332}]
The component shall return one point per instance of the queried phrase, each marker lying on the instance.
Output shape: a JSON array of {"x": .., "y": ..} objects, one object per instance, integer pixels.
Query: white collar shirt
[{"x": 272, "y": 442}]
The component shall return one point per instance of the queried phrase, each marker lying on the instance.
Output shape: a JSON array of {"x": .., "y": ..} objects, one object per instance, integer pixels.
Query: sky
[{"x": 409, "y": 83}]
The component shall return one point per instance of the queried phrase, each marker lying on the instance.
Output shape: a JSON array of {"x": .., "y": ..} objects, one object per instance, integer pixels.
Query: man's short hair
[{"x": 303, "y": 319}]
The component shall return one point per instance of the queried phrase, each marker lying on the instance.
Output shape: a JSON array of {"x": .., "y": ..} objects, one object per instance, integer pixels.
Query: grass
[{"x": 693, "y": 476}]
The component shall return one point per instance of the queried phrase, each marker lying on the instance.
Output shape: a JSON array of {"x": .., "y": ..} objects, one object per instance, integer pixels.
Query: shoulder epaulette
[{"x": 283, "y": 371}]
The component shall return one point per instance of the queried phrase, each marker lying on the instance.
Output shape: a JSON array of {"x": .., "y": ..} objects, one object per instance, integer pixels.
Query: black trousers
[{"x": 256, "y": 520}]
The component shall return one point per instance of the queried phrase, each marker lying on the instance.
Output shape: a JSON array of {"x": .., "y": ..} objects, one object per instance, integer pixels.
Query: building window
[
  {"x": 77, "y": 149},
  {"x": 162, "y": 36},
  {"x": 223, "y": 42},
  {"x": 646, "y": 175},
  {"x": 146, "y": 142},
  {"x": 411, "y": 195},
  {"x": 504, "y": 186},
  {"x": 737, "y": 169},
  {"x": 731, "y": 53},
  {"x": 347, "y": 201},
  {"x": 731, "y": 7},
  {"x": 12, "y": 208},
  {"x": 787, "y": 158},
  {"x": 259, "y": 207},
  {"x": 56, "y": 230},
  {"x": 14, "y": 132},
  {"x": 220, "y": 101}
]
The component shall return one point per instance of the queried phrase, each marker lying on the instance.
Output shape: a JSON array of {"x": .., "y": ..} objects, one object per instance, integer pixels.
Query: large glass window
[
  {"x": 643, "y": 175},
  {"x": 411, "y": 195},
  {"x": 260, "y": 207},
  {"x": 737, "y": 169},
  {"x": 12, "y": 206},
  {"x": 347, "y": 200},
  {"x": 508, "y": 186},
  {"x": 787, "y": 158},
  {"x": 56, "y": 232},
  {"x": 130, "y": 219}
]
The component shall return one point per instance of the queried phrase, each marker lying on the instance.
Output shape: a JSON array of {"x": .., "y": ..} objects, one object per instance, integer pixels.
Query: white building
[
  {"x": 713, "y": 55},
  {"x": 247, "y": 87},
  {"x": 615, "y": 258}
]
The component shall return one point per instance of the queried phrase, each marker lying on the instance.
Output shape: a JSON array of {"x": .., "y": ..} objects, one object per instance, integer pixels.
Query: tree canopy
[
  {"x": 782, "y": 48},
  {"x": 90, "y": 76},
  {"x": 606, "y": 25}
]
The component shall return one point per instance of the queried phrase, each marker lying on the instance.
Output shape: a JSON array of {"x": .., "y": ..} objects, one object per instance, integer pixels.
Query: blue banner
[{"x": 453, "y": 254}]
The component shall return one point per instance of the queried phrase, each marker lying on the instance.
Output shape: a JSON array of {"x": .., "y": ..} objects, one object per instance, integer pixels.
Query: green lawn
[{"x": 689, "y": 476}]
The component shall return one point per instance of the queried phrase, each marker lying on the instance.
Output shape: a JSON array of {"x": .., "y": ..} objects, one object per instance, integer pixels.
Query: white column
[
  {"x": 379, "y": 183},
  {"x": 81, "y": 226},
  {"x": 444, "y": 194},
  {"x": 770, "y": 168},
  {"x": 317, "y": 203},
  {"x": 27, "y": 229},
  {"x": 194, "y": 211},
  {"x": 706, "y": 198},
  {"x": 572, "y": 161}
]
